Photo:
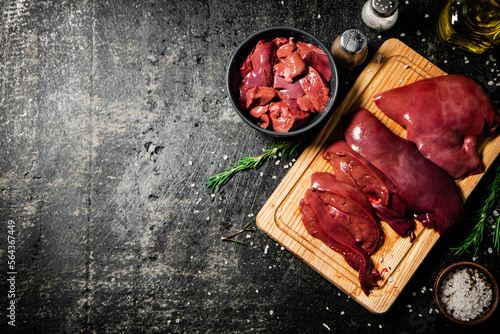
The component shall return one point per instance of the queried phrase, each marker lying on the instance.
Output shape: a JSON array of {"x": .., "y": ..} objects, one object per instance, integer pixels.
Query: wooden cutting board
[{"x": 394, "y": 65}]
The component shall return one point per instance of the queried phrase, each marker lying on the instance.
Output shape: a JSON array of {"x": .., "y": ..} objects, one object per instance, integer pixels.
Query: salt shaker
[
  {"x": 380, "y": 15},
  {"x": 350, "y": 48}
]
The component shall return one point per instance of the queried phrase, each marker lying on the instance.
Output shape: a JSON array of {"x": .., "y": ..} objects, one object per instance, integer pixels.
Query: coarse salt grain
[{"x": 465, "y": 294}]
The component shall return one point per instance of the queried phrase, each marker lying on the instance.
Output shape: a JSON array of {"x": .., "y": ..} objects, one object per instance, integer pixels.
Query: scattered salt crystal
[
  {"x": 391, "y": 279},
  {"x": 379, "y": 36},
  {"x": 381, "y": 259},
  {"x": 406, "y": 66},
  {"x": 403, "y": 34},
  {"x": 490, "y": 83},
  {"x": 285, "y": 166},
  {"x": 379, "y": 326},
  {"x": 208, "y": 218},
  {"x": 271, "y": 312},
  {"x": 277, "y": 162},
  {"x": 426, "y": 16},
  {"x": 190, "y": 163},
  {"x": 490, "y": 250},
  {"x": 261, "y": 174},
  {"x": 256, "y": 290},
  {"x": 266, "y": 249},
  {"x": 419, "y": 33},
  {"x": 212, "y": 195},
  {"x": 326, "y": 326},
  {"x": 274, "y": 177},
  {"x": 250, "y": 215},
  {"x": 225, "y": 157},
  {"x": 445, "y": 61},
  {"x": 342, "y": 313},
  {"x": 192, "y": 185},
  {"x": 368, "y": 71}
]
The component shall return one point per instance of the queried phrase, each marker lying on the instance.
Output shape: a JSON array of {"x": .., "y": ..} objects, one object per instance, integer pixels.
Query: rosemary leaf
[
  {"x": 476, "y": 234},
  {"x": 496, "y": 234},
  {"x": 216, "y": 181}
]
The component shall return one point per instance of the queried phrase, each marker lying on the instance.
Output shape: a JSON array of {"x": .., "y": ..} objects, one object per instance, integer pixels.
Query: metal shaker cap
[
  {"x": 384, "y": 8},
  {"x": 353, "y": 41}
]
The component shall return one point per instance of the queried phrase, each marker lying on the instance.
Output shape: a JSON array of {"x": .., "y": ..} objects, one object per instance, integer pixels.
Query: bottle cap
[
  {"x": 353, "y": 41},
  {"x": 384, "y": 8}
]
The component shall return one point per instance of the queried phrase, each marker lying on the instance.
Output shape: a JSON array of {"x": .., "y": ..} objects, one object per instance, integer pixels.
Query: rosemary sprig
[
  {"x": 248, "y": 228},
  {"x": 476, "y": 234},
  {"x": 216, "y": 181}
]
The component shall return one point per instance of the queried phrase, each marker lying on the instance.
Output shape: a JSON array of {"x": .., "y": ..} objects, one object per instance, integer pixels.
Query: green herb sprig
[
  {"x": 216, "y": 181},
  {"x": 248, "y": 228},
  {"x": 476, "y": 234}
]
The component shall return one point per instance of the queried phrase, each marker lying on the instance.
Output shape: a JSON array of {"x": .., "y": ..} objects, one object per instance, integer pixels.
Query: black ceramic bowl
[{"x": 233, "y": 77}]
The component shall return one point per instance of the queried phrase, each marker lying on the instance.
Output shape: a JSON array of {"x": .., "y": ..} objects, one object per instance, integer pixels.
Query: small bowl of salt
[{"x": 466, "y": 293}]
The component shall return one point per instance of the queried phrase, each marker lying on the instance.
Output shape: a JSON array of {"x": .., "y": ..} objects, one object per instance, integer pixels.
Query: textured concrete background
[{"x": 113, "y": 114}]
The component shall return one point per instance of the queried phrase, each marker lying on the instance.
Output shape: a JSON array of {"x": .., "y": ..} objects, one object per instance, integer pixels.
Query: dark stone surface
[{"x": 113, "y": 114}]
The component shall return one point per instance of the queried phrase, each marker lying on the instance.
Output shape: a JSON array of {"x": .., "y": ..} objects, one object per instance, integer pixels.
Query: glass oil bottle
[{"x": 471, "y": 25}]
